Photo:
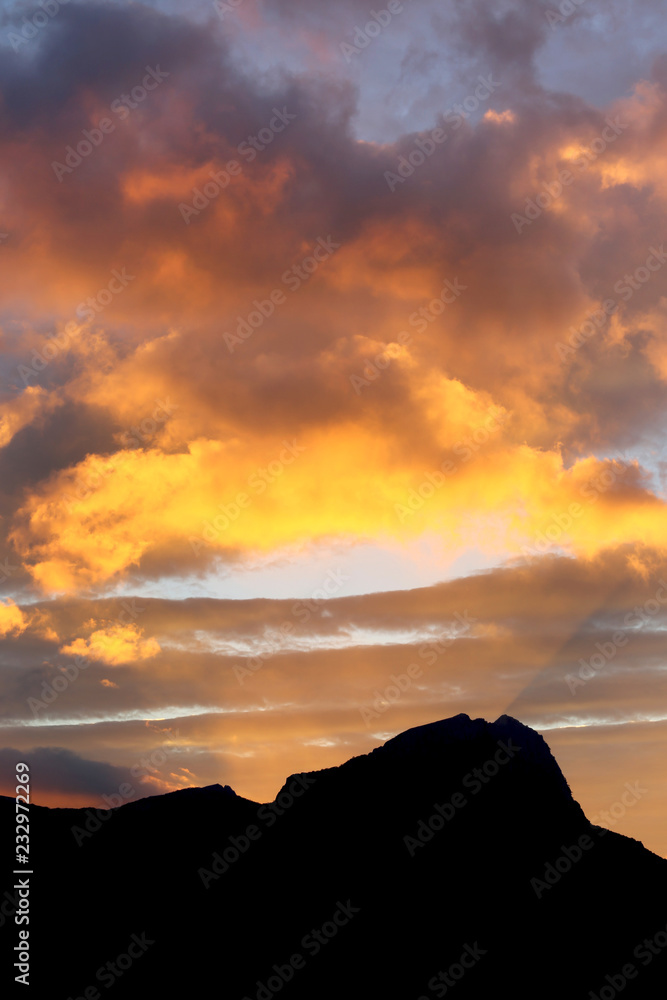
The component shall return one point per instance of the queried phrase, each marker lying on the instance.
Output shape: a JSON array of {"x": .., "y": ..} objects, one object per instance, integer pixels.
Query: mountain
[{"x": 452, "y": 861}]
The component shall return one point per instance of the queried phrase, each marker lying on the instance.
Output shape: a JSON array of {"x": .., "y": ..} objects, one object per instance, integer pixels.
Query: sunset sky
[{"x": 332, "y": 342}]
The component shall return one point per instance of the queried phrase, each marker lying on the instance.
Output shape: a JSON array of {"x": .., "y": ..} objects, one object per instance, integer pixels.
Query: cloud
[
  {"x": 529, "y": 627},
  {"x": 57, "y": 769},
  {"x": 22, "y": 411},
  {"x": 58, "y": 773},
  {"x": 114, "y": 644},
  {"x": 249, "y": 709},
  {"x": 12, "y": 619},
  {"x": 495, "y": 348}
]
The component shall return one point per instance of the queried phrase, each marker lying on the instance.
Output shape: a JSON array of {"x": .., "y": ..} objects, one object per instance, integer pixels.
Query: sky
[{"x": 332, "y": 389}]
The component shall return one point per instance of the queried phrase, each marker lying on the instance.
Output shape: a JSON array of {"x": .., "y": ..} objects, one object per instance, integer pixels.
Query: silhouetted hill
[{"x": 455, "y": 846}]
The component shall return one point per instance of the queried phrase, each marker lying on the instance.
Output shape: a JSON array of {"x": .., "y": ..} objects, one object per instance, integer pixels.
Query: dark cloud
[{"x": 55, "y": 769}]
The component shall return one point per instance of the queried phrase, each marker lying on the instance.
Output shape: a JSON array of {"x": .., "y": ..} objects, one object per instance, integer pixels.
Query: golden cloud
[
  {"x": 115, "y": 644},
  {"x": 12, "y": 619}
]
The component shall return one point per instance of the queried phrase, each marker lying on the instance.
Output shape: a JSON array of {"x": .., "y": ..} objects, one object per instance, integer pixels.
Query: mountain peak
[
  {"x": 432, "y": 734},
  {"x": 461, "y": 728},
  {"x": 460, "y": 743}
]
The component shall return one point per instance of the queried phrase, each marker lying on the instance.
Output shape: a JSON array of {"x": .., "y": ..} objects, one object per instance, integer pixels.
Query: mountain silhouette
[{"x": 452, "y": 861}]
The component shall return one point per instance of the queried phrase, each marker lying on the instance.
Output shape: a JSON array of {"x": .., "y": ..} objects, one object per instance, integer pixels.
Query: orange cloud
[
  {"x": 24, "y": 410},
  {"x": 114, "y": 645},
  {"x": 12, "y": 619},
  {"x": 218, "y": 497}
]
